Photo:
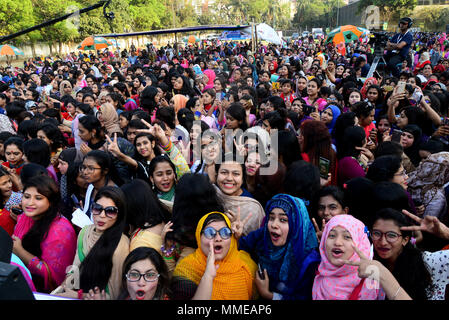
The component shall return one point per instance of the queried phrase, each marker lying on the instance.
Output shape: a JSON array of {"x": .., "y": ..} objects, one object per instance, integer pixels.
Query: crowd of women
[{"x": 165, "y": 153}]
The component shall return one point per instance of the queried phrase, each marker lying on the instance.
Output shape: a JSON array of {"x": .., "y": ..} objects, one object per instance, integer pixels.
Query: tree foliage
[{"x": 433, "y": 18}]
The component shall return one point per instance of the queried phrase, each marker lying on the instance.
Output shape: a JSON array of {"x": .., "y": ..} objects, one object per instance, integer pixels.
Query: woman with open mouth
[
  {"x": 144, "y": 277},
  {"x": 335, "y": 279},
  {"x": 284, "y": 245},
  {"x": 217, "y": 270},
  {"x": 102, "y": 249},
  {"x": 346, "y": 263}
]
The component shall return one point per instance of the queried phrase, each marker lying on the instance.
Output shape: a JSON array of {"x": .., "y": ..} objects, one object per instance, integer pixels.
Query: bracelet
[
  {"x": 169, "y": 252},
  {"x": 80, "y": 294},
  {"x": 394, "y": 297}
]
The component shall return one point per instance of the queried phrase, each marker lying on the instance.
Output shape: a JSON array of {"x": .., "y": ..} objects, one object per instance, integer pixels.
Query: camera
[{"x": 379, "y": 41}]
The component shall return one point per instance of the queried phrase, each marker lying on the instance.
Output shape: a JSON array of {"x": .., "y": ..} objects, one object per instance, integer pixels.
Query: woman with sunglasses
[
  {"x": 102, "y": 249},
  {"x": 217, "y": 270},
  {"x": 423, "y": 275}
]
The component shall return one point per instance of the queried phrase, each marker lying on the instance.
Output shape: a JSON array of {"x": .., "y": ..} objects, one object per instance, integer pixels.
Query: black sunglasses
[{"x": 110, "y": 211}]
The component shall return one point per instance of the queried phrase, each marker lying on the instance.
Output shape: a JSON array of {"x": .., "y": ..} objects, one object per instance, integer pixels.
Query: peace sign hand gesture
[
  {"x": 428, "y": 224},
  {"x": 112, "y": 146},
  {"x": 237, "y": 224},
  {"x": 319, "y": 232},
  {"x": 365, "y": 265}
]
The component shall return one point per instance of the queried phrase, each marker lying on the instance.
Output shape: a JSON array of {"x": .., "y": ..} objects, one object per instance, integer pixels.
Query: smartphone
[
  {"x": 446, "y": 121},
  {"x": 401, "y": 87},
  {"x": 377, "y": 75},
  {"x": 308, "y": 109},
  {"x": 396, "y": 136},
  {"x": 260, "y": 272},
  {"x": 57, "y": 105},
  {"x": 324, "y": 168},
  {"x": 16, "y": 211}
]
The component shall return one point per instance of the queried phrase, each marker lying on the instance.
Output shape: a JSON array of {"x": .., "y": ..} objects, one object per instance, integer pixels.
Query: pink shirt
[{"x": 58, "y": 248}]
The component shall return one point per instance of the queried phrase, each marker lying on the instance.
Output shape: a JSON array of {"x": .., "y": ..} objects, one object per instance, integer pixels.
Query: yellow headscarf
[{"x": 235, "y": 274}]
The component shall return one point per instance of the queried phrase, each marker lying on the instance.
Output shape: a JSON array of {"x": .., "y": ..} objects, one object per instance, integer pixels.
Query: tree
[
  {"x": 390, "y": 9},
  {"x": 432, "y": 18},
  {"x": 16, "y": 15},
  {"x": 146, "y": 14}
]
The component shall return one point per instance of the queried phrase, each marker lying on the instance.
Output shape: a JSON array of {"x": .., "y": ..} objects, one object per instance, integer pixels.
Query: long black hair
[
  {"x": 409, "y": 268},
  {"x": 384, "y": 168},
  {"x": 155, "y": 162},
  {"x": 195, "y": 197},
  {"x": 53, "y": 133},
  {"x": 47, "y": 187},
  {"x": 96, "y": 268},
  {"x": 37, "y": 151},
  {"x": 353, "y": 137},
  {"x": 144, "y": 210},
  {"x": 144, "y": 253}
]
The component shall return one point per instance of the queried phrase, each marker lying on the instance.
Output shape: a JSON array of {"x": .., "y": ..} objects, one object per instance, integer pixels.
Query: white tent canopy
[{"x": 266, "y": 33}]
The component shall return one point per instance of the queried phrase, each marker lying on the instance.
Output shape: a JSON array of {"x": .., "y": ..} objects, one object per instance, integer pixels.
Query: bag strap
[{"x": 355, "y": 293}]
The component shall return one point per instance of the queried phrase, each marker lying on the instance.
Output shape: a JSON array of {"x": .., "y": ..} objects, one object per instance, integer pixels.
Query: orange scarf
[{"x": 235, "y": 274}]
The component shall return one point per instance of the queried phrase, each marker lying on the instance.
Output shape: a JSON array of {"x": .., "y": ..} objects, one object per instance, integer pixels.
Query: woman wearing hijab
[
  {"x": 410, "y": 141},
  {"x": 217, "y": 270},
  {"x": 346, "y": 263},
  {"x": 179, "y": 102},
  {"x": 329, "y": 115},
  {"x": 210, "y": 74},
  {"x": 108, "y": 117},
  {"x": 285, "y": 248}
]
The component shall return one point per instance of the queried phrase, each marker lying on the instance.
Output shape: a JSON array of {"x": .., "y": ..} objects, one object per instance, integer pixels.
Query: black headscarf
[{"x": 413, "y": 151}]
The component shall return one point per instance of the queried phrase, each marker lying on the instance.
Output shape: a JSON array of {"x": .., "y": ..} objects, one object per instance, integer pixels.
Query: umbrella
[
  {"x": 192, "y": 39},
  {"x": 8, "y": 50},
  {"x": 94, "y": 43},
  {"x": 346, "y": 33}
]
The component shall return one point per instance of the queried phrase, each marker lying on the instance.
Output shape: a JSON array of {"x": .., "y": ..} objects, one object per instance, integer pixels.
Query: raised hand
[
  {"x": 211, "y": 268},
  {"x": 84, "y": 148},
  {"x": 364, "y": 269},
  {"x": 237, "y": 224},
  {"x": 113, "y": 145},
  {"x": 263, "y": 285},
  {"x": 318, "y": 231},
  {"x": 167, "y": 228},
  {"x": 428, "y": 224}
]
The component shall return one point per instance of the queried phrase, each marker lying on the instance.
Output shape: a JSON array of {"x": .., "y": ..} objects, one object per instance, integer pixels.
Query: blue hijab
[
  {"x": 335, "y": 114},
  {"x": 291, "y": 268}
]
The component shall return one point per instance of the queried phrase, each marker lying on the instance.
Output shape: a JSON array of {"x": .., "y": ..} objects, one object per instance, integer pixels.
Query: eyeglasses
[
  {"x": 134, "y": 276},
  {"x": 403, "y": 173},
  {"x": 209, "y": 145},
  {"x": 390, "y": 236},
  {"x": 210, "y": 233},
  {"x": 110, "y": 211},
  {"x": 88, "y": 169}
]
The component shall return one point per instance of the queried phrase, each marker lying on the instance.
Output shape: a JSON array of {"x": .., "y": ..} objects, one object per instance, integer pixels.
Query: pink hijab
[
  {"x": 211, "y": 76},
  {"x": 337, "y": 283}
]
